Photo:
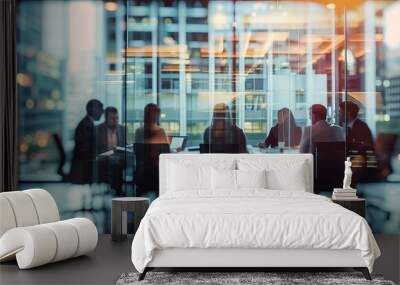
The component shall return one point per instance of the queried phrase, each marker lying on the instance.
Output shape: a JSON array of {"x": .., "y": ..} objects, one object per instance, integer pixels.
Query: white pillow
[
  {"x": 183, "y": 177},
  {"x": 282, "y": 174},
  {"x": 227, "y": 179},
  {"x": 251, "y": 178},
  {"x": 185, "y": 174},
  {"x": 293, "y": 179},
  {"x": 223, "y": 179}
]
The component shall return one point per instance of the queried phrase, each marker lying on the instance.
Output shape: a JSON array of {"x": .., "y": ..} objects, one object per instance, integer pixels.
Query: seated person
[
  {"x": 285, "y": 130},
  {"x": 109, "y": 135},
  {"x": 319, "y": 131},
  {"x": 223, "y": 131},
  {"x": 150, "y": 142},
  {"x": 151, "y": 132}
]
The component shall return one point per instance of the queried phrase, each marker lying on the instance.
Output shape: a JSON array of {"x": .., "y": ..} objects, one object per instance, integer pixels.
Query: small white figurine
[{"x": 347, "y": 174}]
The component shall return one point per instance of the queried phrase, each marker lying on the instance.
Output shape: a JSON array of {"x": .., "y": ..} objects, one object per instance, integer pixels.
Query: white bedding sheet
[{"x": 252, "y": 218}]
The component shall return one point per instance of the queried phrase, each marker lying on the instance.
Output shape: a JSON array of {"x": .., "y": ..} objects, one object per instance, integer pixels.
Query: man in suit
[
  {"x": 358, "y": 133},
  {"x": 359, "y": 143},
  {"x": 319, "y": 131},
  {"x": 84, "y": 150},
  {"x": 109, "y": 135}
]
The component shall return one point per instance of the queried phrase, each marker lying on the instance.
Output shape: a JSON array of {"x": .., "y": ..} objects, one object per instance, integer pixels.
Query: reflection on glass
[
  {"x": 267, "y": 61},
  {"x": 255, "y": 57}
]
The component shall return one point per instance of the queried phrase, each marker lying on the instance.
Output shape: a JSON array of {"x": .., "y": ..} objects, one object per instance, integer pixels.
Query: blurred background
[{"x": 257, "y": 57}]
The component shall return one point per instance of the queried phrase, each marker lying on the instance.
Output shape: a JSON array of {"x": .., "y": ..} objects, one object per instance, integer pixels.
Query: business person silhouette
[
  {"x": 84, "y": 152},
  {"x": 151, "y": 132},
  {"x": 110, "y": 134},
  {"x": 359, "y": 143},
  {"x": 223, "y": 132},
  {"x": 358, "y": 133},
  {"x": 285, "y": 130},
  {"x": 150, "y": 142},
  {"x": 319, "y": 131}
]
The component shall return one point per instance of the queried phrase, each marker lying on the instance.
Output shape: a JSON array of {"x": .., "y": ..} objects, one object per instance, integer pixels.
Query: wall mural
[{"x": 105, "y": 87}]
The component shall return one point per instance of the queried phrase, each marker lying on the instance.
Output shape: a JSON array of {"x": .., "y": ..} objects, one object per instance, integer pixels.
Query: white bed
[{"x": 202, "y": 220}]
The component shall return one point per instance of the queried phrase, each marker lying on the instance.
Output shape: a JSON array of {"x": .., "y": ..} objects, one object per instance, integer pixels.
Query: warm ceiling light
[
  {"x": 111, "y": 6},
  {"x": 331, "y": 6}
]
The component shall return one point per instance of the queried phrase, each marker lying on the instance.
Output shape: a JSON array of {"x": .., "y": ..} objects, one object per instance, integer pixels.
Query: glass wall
[
  {"x": 252, "y": 69},
  {"x": 70, "y": 69},
  {"x": 372, "y": 52},
  {"x": 256, "y": 57}
]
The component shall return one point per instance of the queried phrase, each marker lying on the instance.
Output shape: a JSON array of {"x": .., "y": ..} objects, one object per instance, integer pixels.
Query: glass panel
[
  {"x": 247, "y": 59},
  {"x": 372, "y": 114},
  {"x": 287, "y": 64},
  {"x": 255, "y": 57},
  {"x": 69, "y": 73},
  {"x": 223, "y": 76}
]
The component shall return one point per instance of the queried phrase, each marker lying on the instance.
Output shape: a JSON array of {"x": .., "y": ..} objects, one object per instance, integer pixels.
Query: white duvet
[{"x": 250, "y": 219}]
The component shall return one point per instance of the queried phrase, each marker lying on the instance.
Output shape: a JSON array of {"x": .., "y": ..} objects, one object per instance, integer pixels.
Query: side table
[
  {"x": 357, "y": 205},
  {"x": 120, "y": 207}
]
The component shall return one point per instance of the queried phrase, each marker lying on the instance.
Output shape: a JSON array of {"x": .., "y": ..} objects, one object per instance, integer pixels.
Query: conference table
[
  {"x": 251, "y": 149},
  {"x": 121, "y": 152}
]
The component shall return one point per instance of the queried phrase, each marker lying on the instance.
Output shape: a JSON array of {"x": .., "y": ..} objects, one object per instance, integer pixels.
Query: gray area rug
[{"x": 228, "y": 278}]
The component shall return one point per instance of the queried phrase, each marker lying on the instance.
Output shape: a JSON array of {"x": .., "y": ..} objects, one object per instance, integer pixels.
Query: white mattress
[{"x": 257, "y": 218}]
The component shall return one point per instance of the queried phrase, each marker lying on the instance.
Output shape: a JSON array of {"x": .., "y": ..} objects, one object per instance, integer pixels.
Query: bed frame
[{"x": 245, "y": 258}]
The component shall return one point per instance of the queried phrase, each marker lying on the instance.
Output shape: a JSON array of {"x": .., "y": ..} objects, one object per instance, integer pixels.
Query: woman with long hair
[
  {"x": 222, "y": 130},
  {"x": 150, "y": 142},
  {"x": 285, "y": 130},
  {"x": 151, "y": 132}
]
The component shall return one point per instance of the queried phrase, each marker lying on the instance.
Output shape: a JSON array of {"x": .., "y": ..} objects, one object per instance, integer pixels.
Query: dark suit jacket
[
  {"x": 101, "y": 138},
  {"x": 84, "y": 152},
  {"x": 147, "y": 171},
  {"x": 359, "y": 136},
  {"x": 359, "y": 142},
  {"x": 232, "y": 135},
  {"x": 276, "y": 135}
]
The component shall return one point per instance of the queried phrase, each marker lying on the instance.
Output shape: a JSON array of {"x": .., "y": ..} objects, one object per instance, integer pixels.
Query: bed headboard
[{"x": 207, "y": 158}]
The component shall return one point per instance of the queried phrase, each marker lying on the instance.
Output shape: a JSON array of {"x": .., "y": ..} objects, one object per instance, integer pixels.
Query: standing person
[
  {"x": 358, "y": 134},
  {"x": 359, "y": 142},
  {"x": 223, "y": 131},
  {"x": 285, "y": 130},
  {"x": 84, "y": 151},
  {"x": 319, "y": 131}
]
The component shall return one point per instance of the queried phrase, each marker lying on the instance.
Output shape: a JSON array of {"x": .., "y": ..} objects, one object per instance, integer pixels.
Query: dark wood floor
[
  {"x": 110, "y": 259},
  {"x": 103, "y": 266}
]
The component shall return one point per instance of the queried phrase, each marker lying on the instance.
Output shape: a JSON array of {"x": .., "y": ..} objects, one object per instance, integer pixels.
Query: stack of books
[{"x": 344, "y": 194}]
